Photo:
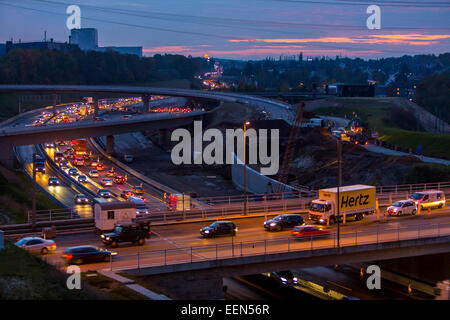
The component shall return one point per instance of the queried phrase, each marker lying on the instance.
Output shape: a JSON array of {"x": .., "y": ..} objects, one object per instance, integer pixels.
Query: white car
[
  {"x": 107, "y": 182},
  {"x": 36, "y": 245},
  {"x": 93, "y": 174},
  {"x": 402, "y": 207}
]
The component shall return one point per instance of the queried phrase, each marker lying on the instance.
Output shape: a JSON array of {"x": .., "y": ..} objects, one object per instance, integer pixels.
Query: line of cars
[{"x": 295, "y": 222}]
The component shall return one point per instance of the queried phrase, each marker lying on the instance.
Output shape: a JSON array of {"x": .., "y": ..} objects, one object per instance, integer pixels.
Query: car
[
  {"x": 81, "y": 199},
  {"x": 93, "y": 174},
  {"x": 106, "y": 182},
  {"x": 119, "y": 179},
  {"x": 104, "y": 193},
  {"x": 128, "y": 158},
  {"x": 86, "y": 254},
  {"x": 79, "y": 161},
  {"x": 283, "y": 221},
  {"x": 63, "y": 164},
  {"x": 126, "y": 116},
  {"x": 138, "y": 190},
  {"x": 100, "y": 167},
  {"x": 285, "y": 277},
  {"x": 402, "y": 207},
  {"x": 73, "y": 172},
  {"x": 309, "y": 230},
  {"x": 111, "y": 173},
  {"x": 219, "y": 228},
  {"x": 36, "y": 245},
  {"x": 70, "y": 155},
  {"x": 98, "y": 119},
  {"x": 61, "y": 143},
  {"x": 49, "y": 145},
  {"x": 94, "y": 163},
  {"x": 135, "y": 233},
  {"x": 59, "y": 156},
  {"x": 39, "y": 167},
  {"x": 126, "y": 194},
  {"x": 53, "y": 181},
  {"x": 82, "y": 178}
]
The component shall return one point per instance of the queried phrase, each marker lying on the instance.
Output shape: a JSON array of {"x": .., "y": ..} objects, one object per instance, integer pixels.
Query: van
[
  {"x": 428, "y": 199},
  {"x": 141, "y": 207}
]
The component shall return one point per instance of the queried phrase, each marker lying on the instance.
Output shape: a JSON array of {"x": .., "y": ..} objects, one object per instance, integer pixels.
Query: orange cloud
[{"x": 411, "y": 39}]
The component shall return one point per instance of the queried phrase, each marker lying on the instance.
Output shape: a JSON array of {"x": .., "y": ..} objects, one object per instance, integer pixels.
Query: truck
[
  {"x": 80, "y": 146},
  {"x": 355, "y": 201},
  {"x": 134, "y": 231}
]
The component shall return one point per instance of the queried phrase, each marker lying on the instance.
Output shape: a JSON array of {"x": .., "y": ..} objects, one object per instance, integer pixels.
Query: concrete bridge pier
[
  {"x": 7, "y": 157},
  {"x": 110, "y": 144},
  {"x": 145, "y": 102},
  {"x": 55, "y": 99},
  {"x": 95, "y": 105}
]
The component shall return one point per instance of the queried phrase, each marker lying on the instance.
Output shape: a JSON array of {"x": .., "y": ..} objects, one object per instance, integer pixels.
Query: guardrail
[
  {"x": 53, "y": 214},
  {"x": 235, "y": 249}
]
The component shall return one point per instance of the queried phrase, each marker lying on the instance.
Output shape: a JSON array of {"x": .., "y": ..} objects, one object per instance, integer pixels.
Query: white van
[{"x": 429, "y": 199}]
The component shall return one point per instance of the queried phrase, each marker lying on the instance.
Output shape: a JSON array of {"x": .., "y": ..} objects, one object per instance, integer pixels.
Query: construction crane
[{"x": 290, "y": 149}]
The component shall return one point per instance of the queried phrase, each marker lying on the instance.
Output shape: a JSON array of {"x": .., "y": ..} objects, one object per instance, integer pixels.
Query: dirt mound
[{"x": 316, "y": 164}]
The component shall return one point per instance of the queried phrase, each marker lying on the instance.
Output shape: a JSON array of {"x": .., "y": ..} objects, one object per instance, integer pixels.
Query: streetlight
[
  {"x": 245, "y": 167},
  {"x": 339, "y": 150}
]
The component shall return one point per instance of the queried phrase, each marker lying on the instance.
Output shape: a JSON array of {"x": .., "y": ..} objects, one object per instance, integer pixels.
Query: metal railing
[
  {"x": 53, "y": 215},
  {"x": 236, "y": 249}
]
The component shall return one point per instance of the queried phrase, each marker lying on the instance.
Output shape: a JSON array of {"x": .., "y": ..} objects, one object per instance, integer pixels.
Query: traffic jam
[{"x": 82, "y": 164}]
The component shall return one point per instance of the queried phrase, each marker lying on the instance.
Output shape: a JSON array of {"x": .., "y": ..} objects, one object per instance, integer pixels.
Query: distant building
[
  {"x": 49, "y": 45},
  {"x": 85, "y": 38},
  {"x": 2, "y": 49},
  {"x": 351, "y": 90}
]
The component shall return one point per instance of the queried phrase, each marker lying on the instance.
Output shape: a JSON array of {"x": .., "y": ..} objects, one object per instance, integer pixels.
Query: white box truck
[
  {"x": 108, "y": 214},
  {"x": 354, "y": 201}
]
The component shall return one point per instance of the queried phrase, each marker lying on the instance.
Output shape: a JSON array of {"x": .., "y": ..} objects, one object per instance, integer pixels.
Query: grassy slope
[
  {"x": 372, "y": 112},
  {"x": 24, "y": 276}
]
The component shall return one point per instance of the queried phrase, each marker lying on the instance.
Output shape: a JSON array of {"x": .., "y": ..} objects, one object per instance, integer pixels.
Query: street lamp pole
[
  {"x": 339, "y": 150},
  {"x": 245, "y": 167},
  {"x": 33, "y": 205}
]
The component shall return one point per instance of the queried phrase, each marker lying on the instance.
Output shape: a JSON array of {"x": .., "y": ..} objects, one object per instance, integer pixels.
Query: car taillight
[
  {"x": 53, "y": 245},
  {"x": 67, "y": 256}
]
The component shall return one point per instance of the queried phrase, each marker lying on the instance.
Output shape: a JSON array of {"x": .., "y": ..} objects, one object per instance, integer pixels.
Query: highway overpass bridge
[
  {"x": 197, "y": 272},
  {"x": 11, "y": 137}
]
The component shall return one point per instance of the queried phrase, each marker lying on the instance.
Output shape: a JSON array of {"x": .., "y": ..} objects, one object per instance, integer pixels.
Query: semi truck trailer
[{"x": 354, "y": 202}]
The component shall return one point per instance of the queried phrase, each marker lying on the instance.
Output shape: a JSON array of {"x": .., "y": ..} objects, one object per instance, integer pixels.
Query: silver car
[
  {"x": 36, "y": 245},
  {"x": 402, "y": 207}
]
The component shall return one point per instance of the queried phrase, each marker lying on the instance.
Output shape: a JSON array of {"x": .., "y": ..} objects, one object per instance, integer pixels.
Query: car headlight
[
  {"x": 273, "y": 224},
  {"x": 283, "y": 279},
  {"x": 206, "y": 231},
  {"x": 295, "y": 279},
  {"x": 108, "y": 238},
  {"x": 102, "y": 236},
  {"x": 321, "y": 220}
]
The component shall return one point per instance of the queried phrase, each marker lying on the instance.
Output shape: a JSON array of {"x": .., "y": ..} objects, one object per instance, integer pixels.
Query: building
[
  {"x": 351, "y": 90},
  {"x": 85, "y": 38},
  {"x": 49, "y": 45}
]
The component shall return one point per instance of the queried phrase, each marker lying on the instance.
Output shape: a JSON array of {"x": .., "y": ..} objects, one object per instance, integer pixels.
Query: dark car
[
  {"x": 285, "y": 277},
  {"x": 63, "y": 164},
  {"x": 73, "y": 172},
  {"x": 81, "y": 199},
  {"x": 104, "y": 193},
  {"x": 135, "y": 233},
  {"x": 283, "y": 221},
  {"x": 219, "y": 228},
  {"x": 53, "y": 181},
  {"x": 86, "y": 254}
]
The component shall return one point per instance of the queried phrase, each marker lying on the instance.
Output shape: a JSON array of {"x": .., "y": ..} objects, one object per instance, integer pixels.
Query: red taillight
[
  {"x": 149, "y": 232},
  {"x": 67, "y": 256}
]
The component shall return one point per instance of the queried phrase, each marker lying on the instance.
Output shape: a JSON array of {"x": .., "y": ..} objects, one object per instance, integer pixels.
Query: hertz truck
[{"x": 354, "y": 201}]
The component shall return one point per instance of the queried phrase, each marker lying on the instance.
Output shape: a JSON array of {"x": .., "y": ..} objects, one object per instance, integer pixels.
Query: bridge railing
[
  {"x": 236, "y": 249},
  {"x": 53, "y": 215}
]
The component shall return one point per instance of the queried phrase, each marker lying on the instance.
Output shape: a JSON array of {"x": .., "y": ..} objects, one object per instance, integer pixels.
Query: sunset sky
[{"x": 250, "y": 29}]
